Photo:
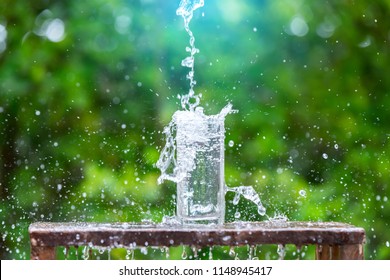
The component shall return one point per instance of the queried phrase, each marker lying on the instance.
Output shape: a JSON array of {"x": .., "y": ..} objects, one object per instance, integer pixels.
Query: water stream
[
  {"x": 186, "y": 10},
  {"x": 193, "y": 155}
]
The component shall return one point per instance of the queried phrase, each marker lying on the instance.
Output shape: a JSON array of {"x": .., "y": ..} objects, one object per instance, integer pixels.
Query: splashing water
[
  {"x": 194, "y": 132},
  {"x": 278, "y": 218},
  {"x": 193, "y": 158},
  {"x": 167, "y": 157},
  {"x": 186, "y": 10},
  {"x": 193, "y": 155},
  {"x": 249, "y": 193},
  {"x": 194, "y": 150}
]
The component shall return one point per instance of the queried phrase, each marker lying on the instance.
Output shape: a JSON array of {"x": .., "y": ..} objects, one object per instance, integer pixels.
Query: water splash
[
  {"x": 171, "y": 170},
  {"x": 249, "y": 193},
  {"x": 194, "y": 141},
  {"x": 186, "y": 10},
  {"x": 193, "y": 158},
  {"x": 198, "y": 144},
  {"x": 278, "y": 218},
  {"x": 167, "y": 158}
]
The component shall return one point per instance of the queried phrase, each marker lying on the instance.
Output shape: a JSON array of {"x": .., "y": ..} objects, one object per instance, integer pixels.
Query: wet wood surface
[{"x": 333, "y": 240}]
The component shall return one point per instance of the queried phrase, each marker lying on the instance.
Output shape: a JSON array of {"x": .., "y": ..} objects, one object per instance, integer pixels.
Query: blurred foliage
[{"x": 86, "y": 88}]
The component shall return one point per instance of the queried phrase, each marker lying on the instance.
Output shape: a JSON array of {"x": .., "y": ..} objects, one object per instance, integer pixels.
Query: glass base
[{"x": 201, "y": 220}]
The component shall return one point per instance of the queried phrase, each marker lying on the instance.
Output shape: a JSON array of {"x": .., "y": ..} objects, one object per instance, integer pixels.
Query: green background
[{"x": 81, "y": 119}]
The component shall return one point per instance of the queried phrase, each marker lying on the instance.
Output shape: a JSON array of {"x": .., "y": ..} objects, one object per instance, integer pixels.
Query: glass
[{"x": 200, "y": 156}]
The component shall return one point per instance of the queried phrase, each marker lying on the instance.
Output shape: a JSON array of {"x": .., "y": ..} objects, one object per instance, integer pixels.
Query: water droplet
[
  {"x": 237, "y": 215},
  {"x": 236, "y": 199},
  {"x": 299, "y": 27},
  {"x": 195, "y": 251},
  {"x": 109, "y": 253},
  {"x": 261, "y": 210},
  {"x": 188, "y": 62},
  {"x": 231, "y": 143},
  {"x": 144, "y": 250},
  {"x": 55, "y": 31},
  {"x": 184, "y": 255},
  {"x": 325, "y": 156},
  {"x": 232, "y": 253},
  {"x": 298, "y": 252},
  {"x": 66, "y": 252},
  {"x": 86, "y": 252},
  {"x": 167, "y": 253},
  {"x": 101, "y": 250},
  {"x": 387, "y": 244},
  {"x": 302, "y": 193},
  {"x": 281, "y": 251},
  {"x": 130, "y": 254},
  {"x": 251, "y": 252},
  {"x": 211, "y": 253},
  {"x": 37, "y": 113}
]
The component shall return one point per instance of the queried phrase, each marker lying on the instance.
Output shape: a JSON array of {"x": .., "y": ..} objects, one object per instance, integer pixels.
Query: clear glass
[{"x": 200, "y": 150}]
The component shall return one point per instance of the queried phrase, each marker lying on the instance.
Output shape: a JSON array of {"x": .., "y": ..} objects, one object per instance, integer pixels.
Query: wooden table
[{"x": 332, "y": 240}]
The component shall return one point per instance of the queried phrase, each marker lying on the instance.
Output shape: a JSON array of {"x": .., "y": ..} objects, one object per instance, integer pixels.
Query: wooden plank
[
  {"x": 351, "y": 252},
  {"x": 235, "y": 234},
  {"x": 327, "y": 252},
  {"x": 340, "y": 252},
  {"x": 43, "y": 253}
]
